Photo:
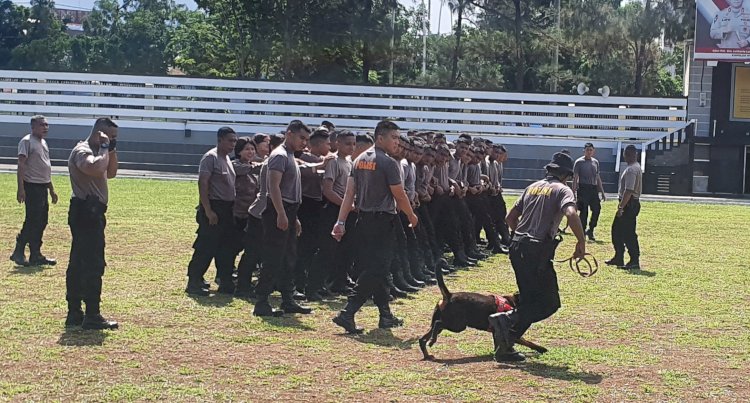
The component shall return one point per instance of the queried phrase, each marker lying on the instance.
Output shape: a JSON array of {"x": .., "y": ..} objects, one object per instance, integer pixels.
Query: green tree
[
  {"x": 46, "y": 45},
  {"x": 13, "y": 27}
]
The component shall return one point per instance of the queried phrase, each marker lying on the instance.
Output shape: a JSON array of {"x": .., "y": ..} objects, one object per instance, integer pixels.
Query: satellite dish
[
  {"x": 604, "y": 91},
  {"x": 582, "y": 88}
]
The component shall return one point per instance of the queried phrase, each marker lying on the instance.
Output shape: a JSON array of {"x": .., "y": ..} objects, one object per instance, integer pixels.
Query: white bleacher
[{"x": 201, "y": 104}]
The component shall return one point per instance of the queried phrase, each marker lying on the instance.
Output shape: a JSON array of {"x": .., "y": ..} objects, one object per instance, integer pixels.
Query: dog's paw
[{"x": 542, "y": 350}]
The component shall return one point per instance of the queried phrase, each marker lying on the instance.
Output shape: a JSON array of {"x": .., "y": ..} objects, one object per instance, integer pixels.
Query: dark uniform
[
  {"x": 83, "y": 279},
  {"x": 37, "y": 177},
  {"x": 377, "y": 222},
  {"x": 309, "y": 215},
  {"x": 624, "y": 224},
  {"x": 587, "y": 171},
  {"x": 280, "y": 246},
  {"x": 532, "y": 250},
  {"x": 214, "y": 242}
]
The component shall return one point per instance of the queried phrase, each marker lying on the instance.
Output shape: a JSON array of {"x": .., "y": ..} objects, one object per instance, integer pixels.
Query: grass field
[{"x": 677, "y": 331}]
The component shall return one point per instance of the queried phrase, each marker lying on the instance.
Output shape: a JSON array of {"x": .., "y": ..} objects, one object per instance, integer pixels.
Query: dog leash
[{"x": 584, "y": 270}]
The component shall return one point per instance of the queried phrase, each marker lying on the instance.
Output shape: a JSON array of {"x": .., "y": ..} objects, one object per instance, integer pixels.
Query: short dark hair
[
  {"x": 224, "y": 131},
  {"x": 587, "y": 145},
  {"x": 500, "y": 147},
  {"x": 37, "y": 118},
  {"x": 328, "y": 125},
  {"x": 364, "y": 138},
  {"x": 104, "y": 123},
  {"x": 631, "y": 148},
  {"x": 565, "y": 151},
  {"x": 439, "y": 135},
  {"x": 463, "y": 140},
  {"x": 259, "y": 138},
  {"x": 319, "y": 135},
  {"x": 385, "y": 126},
  {"x": 443, "y": 148},
  {"x": 464, "y": 136},
  {"x": 297, "y": 125},
  {"x": 276, "y": 140},
  {"x": 343, "y": 133},
  {"x": 240, "y": 145}
]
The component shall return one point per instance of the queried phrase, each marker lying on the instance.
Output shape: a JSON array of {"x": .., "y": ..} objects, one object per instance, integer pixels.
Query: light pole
[{"x": 557, "y": 45}]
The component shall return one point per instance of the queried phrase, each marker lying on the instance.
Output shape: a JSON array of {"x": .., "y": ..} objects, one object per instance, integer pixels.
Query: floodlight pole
[{"x": 424, "y": 38}]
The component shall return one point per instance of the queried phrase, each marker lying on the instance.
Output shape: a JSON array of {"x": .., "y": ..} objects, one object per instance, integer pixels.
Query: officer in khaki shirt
[
  {"x": 215, "y": 218},
  {"x": 535, "y": 218},
  {"x": 623, "y": 226},
  {"x": 92, "y": 162},
  {"x": 376, "y": 182},
  {"x": 34, "y": 180}
]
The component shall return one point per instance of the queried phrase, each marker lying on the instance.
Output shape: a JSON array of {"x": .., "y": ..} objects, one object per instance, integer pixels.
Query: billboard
[{"x": 722, "y": 30}]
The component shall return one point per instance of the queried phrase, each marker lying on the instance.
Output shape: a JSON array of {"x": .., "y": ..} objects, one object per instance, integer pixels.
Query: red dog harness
[{"x": 502, "y": 306}]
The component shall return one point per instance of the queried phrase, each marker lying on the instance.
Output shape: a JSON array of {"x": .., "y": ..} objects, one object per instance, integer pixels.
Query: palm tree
[{"x": 458, "y": 7}]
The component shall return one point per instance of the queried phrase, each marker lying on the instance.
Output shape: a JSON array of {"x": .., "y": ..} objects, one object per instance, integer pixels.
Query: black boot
[
  {"x": 615, "y": 261},
  {"x": 197, "y": 288},
  {"x": 93, "y": 320},
  {"x": 511, "y": 355},
  {"x": 19, "y": 256},
  {"x": 264, "y": 308},
  {"x": 500, "y": 323},
  {"x": 590, "y": 234},
  {"x": 400, "y": 282},
  {"x": 75, "y": 314},
  {"x": 387, "y": 319},
  {"x": 633, "y": 264},
  {"x": 37, "y": 259},
  {"x": 289, "y": 305},
  {"x": 345, "y": 318}
]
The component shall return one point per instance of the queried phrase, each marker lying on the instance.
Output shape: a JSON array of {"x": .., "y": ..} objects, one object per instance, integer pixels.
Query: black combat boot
[
  {"x": 345, "y": 318},
  {"x": 19, "y": 256},
  {"x": 387, "y": 319}
]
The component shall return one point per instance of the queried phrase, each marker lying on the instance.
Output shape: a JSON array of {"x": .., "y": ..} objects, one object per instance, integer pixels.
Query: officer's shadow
[
  {"x": 29, "y": 270},
  {"x": 78, "y": 337},
  {"x": 215, "y": 300},
  {"x": 384, "y": 338}
]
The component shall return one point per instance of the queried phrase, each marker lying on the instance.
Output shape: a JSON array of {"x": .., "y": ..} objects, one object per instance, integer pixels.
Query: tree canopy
[{"x": 633, "y": 47}]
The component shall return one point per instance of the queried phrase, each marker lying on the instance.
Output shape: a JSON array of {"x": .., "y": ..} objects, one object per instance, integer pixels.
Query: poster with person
[{"x": 722, "y": 30}]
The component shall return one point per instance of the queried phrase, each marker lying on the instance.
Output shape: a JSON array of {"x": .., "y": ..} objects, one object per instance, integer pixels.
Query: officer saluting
[
  {"x": 732, "y": 26},
  {"x": 91, "y": 163},
  {"x": 376, "y": 182},
  {"x": 535, "y": 218}
]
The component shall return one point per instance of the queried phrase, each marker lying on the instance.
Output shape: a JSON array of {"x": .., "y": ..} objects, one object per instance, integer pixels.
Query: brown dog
[{"x": 456, "y": 312}]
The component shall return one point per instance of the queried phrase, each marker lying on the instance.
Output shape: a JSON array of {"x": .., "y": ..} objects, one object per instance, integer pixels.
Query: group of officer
[
  {"x": 314, "y": 210},
  {"x": 91, "y": 163},
  {"x": 325, "y": 211}
]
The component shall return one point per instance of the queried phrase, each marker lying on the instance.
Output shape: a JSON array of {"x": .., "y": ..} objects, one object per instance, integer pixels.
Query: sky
[{"x": 437, "y": 18}]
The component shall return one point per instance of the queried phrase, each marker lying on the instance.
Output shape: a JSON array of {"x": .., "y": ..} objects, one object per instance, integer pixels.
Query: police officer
[
  {"x": 216, "y": 179},
  {"x": 34, "y": 180},
  {"x": 91, "y": 163},
  {"x": 623, "y": 226},
  {"x": 535, "y": 218},
  {"x": 376, "y": 182},
  {"x": 280, "y": 224},
  {"x": 732, "y": 26},
  {"x": 587, "y": 184}
]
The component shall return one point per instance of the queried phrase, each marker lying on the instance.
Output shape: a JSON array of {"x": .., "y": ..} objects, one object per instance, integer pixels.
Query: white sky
[{"x": 437, "y": 18}]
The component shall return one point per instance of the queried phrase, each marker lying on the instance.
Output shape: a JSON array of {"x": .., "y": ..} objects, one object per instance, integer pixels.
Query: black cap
[{"x": 561, "y": 162}]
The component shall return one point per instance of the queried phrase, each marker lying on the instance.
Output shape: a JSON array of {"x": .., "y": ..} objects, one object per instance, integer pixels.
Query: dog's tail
[{"x": 441, "y": 285}]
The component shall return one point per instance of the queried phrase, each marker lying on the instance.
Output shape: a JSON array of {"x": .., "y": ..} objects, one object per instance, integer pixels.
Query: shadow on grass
[
  {"x": 644, "y": 273},
  {"x": 464, "y": 360},
  {"x": 383, "y": 338},
  {"x": 288, "y": 320},
  {"x": 561, "y": 372},
  {"x": 29, "y": 270},
  {"x": 214, "y": 300},
  {"x": 78, "y": 337}
]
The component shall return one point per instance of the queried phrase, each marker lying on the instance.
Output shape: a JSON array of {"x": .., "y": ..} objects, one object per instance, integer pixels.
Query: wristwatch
[{"x": 341, "y": 223}]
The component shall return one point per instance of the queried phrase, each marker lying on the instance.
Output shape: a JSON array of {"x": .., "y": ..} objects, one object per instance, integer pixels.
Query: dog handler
[
  {"x": 535, "y": 218},
  {"x": 376, "y": 182}
]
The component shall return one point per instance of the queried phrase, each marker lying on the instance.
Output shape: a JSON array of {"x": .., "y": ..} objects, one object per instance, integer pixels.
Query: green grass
[{"x": 678, "y": 330}]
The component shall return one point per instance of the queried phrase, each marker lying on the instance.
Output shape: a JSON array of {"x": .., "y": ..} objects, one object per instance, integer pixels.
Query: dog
[{"x": 457, "y": 311}]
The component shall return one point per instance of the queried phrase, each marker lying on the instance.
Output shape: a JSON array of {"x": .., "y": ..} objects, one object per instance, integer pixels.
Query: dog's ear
[{"x": 516, "y": 298}]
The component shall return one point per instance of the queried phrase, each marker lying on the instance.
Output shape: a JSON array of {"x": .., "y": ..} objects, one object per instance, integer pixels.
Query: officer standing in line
[
  {"x": 535, "y": 219},
  {"x": 280, "y": 224},
  {"x": 91, "y": 163},
  {"x": 376, "y": 182},
  {"x": 215, "y": 218},
  {"x": 587, "y": 184},
  {"x": 34, "y": 180},
  {"x": 732, "y": 26},
  {"x": 623, "y": 226}
]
